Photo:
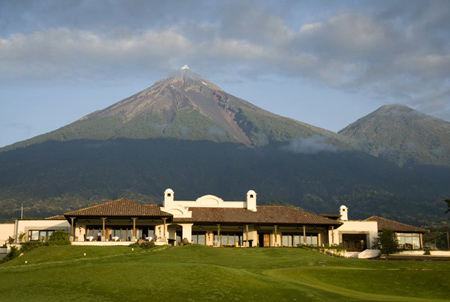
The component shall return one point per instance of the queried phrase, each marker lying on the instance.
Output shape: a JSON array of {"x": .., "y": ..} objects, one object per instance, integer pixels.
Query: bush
[
  {"x": 22, "y": 236},
  {"x": 147, "y": 245},
  {"x": 10, "y": 240},
  {"x": 331, "y": 250},
  {"x": 387, "y": 242},
  {"x": 134, "y": 244},
  {"x": 426, "y": 251},
  {"x": 59, "y": 237},
  {"x": 28, "y": 246},
  {"x": 24, "y": 248},
  {"x": 13, "y": 253}
]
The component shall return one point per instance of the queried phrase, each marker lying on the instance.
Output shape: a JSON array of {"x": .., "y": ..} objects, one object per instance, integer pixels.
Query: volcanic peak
[{"x": 185, "y": 106}]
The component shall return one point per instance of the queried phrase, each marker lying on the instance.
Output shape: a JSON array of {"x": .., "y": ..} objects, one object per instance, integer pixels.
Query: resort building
[
  {"x": 6, "y": 231},
  {"x": 409, "y": 237},
  {"x": 358, "y": 235},
  {"x": 211, "y": 221}
]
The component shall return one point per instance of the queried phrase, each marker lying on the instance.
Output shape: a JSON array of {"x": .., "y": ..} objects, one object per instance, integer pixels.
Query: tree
[
  {"x": 22, "y": 236},
  {"x": 387, "y": 242},
  {"x": 448, "y": 205},
  {"x": 59, "y": 237}
]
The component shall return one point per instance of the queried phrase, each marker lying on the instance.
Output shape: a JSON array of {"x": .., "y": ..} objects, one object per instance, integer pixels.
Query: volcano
[
  {"x": 187, "y": 133},
  {"x": 185, "y": 106},
  {"x": 402, "y": 135}
]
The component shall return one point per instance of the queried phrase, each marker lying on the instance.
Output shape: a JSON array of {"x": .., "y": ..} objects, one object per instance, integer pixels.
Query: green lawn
[{"x": 197, "y": 273}]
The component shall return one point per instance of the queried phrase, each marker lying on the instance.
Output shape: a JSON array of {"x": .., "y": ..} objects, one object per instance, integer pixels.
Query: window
[
  {"x": 409, "y": 241},
  {"x": 295, "y": 239},
  {"x": 33, "y": 235},
  {"x": 120, "y": 233},
  {"x": 199, "y": 238},
  {"x": 287, "y": 240},
  {"x": 228, "y": 239},
  {"x": 39, "y": 235}
]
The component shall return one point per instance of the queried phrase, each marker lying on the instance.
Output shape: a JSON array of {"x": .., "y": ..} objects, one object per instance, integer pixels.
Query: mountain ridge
[
  {"x": 403, "y": 135},
  {"x": 54, "y": 177},
  {"x": 187, "y": 133}
]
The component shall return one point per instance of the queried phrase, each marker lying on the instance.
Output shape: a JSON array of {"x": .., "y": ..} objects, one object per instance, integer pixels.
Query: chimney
[
  {"x": 168, "y": 197},
  {"x": 251, "y": 200},
  {"x": 343, "y": 210}
]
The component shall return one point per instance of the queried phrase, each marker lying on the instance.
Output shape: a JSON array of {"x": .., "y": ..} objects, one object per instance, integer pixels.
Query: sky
[{"x": 325, "y": 63}]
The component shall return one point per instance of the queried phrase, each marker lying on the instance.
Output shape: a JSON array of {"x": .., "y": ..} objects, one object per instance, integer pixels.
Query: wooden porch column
[
  {"x": 421, "y": 240},
  {"x": 219, "y": 240},
  {"x": 275, "y": 235},
  {"x": 103, "y": 229},
  {"x": 319, "y": 239},
  {"x": 165, "y": 228},
  {"x": 133, "y": 237},
  {"x": 332, "y": 234},
  {"x": 304, "y": 234},
  {"x": 246, "y": 235},
  {"x": 72, "y": 228},
  {"x": 448, "y": 241}
]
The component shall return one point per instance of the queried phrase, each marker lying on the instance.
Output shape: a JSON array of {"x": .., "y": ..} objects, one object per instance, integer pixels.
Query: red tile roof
[
  {"x": 120, "y": 207},
  {"x": 384, "y": 224},
  {"x": 264, "y": 214},
  {"x": 56, "y": 217}
]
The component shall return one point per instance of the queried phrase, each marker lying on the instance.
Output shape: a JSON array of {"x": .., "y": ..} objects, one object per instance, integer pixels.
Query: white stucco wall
[
  {"x": 370, "y": 228},
  {"x": 41, "y": 224},
  {"x": 179, "y": 208},
  {"x": 6, "y": 231}
]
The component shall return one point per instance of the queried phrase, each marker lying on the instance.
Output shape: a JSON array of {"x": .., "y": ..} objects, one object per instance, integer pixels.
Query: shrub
[
  {"x": 147, "y": 245},
  {"x": 59, "y": 237},
  {"x": 13, "y": 253},
  {"x": 24, "y": 248},
  {"x": 10, "y": 240},
  {"x": 387, "y": 242},
  {"x": 31, "y": 245},
  {"x": 426, "y": 251},
  {"x": 331, "y": 250},
  {"x": 134, "y": 244},
  {"x": 185, "y": 241},
  {"x": 22, "y": 236}
]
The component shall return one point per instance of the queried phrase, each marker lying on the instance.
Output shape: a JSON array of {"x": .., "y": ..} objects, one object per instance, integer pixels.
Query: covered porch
[
  {"x": 118, "y": 229},
  {"x": 248, "y": 235},
  {"x": 118, "y": 221}
]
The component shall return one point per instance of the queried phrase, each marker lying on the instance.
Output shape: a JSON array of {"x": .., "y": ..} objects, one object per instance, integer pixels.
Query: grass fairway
[{"x": 197, "y": 273}]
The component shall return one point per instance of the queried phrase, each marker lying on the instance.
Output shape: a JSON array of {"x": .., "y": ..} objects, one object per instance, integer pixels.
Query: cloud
[
  {"x": 61, "y": 52},
  {"x": 184, "y": 131},
  {"x": 398, "y": 51},
  {"x": 438, "y": 151},
  {"x": 216, "y": 131},
  {"x": 310, "y": 145}
]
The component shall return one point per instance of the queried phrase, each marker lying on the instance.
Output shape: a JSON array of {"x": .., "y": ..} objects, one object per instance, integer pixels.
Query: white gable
[{"x": 209, "y": 200}]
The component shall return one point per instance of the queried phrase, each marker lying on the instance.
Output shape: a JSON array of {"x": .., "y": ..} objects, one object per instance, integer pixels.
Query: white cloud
[
  {"x": 310, "y": 145},
  {"x": 399, "y": 52}
]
